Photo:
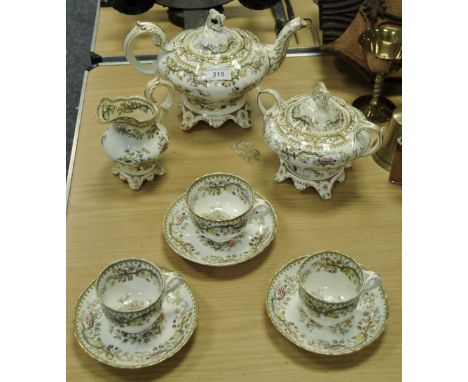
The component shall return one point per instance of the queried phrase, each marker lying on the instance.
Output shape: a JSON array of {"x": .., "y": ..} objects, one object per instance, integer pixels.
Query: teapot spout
[{"x": 277, "y": 51}]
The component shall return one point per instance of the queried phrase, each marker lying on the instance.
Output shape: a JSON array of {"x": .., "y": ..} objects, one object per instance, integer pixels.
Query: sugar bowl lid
[
  {"x": 213, "y": 40},
  {"x": 318, "y": 117}
]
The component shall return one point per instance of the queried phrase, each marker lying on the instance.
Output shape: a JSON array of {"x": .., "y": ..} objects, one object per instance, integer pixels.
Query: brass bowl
[
  {"x": 382, "y": 42},
  {"x": 383, "y": 47}
]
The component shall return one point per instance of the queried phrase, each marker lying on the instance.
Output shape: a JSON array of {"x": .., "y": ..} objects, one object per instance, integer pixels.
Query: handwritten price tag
[{"x": 216, "y": 74}]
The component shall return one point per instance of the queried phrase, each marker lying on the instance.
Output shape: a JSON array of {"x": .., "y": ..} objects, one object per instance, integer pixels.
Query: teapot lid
[
  {"x": 318, "y": 116},
  {"x": 213, "y": 40}
]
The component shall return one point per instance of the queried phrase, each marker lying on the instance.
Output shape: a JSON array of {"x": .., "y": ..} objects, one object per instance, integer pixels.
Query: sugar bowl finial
[{"x": 321, "y": 95}]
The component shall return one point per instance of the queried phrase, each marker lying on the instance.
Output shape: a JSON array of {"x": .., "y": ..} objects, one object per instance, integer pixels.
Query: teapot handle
[
  {"x": 151, "y": 87},
  {"x": 274, "y": 107},
  {"x": 378, "y": 142},
  {"x": 159, "y": 39}
]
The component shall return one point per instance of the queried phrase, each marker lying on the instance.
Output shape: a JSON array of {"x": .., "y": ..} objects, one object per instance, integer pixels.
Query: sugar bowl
[{"x": 316, "y": 137}]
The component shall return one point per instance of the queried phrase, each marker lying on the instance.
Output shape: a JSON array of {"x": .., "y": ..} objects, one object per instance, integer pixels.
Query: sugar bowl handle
[
  {"x": 159, "y": 39},
  {"x": 152, "y": 86},
  {"x": 371, "y": 280},
  {"x": 370, "y": 150},
  {"x": 274, "y": 107}
]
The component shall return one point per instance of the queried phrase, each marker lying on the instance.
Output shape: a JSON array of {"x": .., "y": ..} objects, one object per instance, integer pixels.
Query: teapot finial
[{"x": 215, "y": 20}]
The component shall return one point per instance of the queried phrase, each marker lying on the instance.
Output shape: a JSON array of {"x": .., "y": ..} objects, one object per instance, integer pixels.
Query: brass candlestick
[{"x": 383, "y": 51}]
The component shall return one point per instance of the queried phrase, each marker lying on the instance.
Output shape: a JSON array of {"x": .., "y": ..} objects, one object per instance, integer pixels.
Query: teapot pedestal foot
[
  {"x": 322, "y": 186},
  {"x": 190, "y": 117},
  {"x": 136, "y": 177}
]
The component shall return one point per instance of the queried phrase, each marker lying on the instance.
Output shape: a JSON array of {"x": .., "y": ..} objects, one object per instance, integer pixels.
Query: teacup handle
[
  {"x": 274, "y": 107},
  {"x": 378, "y": 142},
  {"x": 259, "y": 209},
  {"x": 172, "y": 282},
  {"x": 371, "y": 280}
]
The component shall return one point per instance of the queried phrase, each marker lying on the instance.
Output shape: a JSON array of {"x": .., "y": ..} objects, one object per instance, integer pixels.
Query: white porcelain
[
  {"x": 137, "y": 136},
  {"x": 316, "y": 136},
  {"x": 331, "y": 284},
  {"x": 212, "y": 66},
  {"x": 131, "y": 292},
  {"x": 190, "y": 242},
  {"x": 220, "y": 204},
  {"x": 109, "y": 344},
  {"x": 291, "y": 317}
]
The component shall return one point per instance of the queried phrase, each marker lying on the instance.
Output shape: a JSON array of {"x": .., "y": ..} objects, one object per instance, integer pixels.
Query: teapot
[
  {"x": 137, "y": 136},
  {"x": 212, "y": 66},
  {"x": 316, "y": 137}
]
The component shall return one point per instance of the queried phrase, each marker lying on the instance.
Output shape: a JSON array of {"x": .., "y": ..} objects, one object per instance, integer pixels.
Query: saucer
[
  {"x": 290, "y": 317},
  {"x": 108, "y": 344},
  {"x": 185, "y": 238}
]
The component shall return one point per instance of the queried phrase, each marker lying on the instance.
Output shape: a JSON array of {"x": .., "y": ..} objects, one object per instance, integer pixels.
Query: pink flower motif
[
  {"x": 280, "y": 293},
  {"x": 327, "y": 160},
  {"x": 178, "y": 218},
  {"x": 256, "y": 62},
  {"x": 88, "y": 320}
]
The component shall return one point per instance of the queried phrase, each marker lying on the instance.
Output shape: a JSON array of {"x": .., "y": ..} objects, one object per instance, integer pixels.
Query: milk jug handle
[{"x": 152, "y": 86}]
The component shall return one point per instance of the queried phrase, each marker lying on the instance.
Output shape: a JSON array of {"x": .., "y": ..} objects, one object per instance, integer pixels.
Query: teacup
[
  {"x": 221, "y": 204},
  {"x": 131, "y": 293},
  {"x": 331, "y": 284}
]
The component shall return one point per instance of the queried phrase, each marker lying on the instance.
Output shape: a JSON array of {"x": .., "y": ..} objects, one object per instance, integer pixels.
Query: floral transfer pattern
[
  {"x": 109, "y": 110},
  {"x": 142, "y": 337},
  {"x": 127, "y": 270},
  {"x": 332, "y": 263},
  {"x": 221, "y": 245},
  {"x": 206, "y": 187},
  {"x": 291, "y": 318},
  {"x": 213, "y": 189},
  {"x": 110, "y": 345},
  {"x": 185, "y": 238},
  {"x": 132, "y": 117}
]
